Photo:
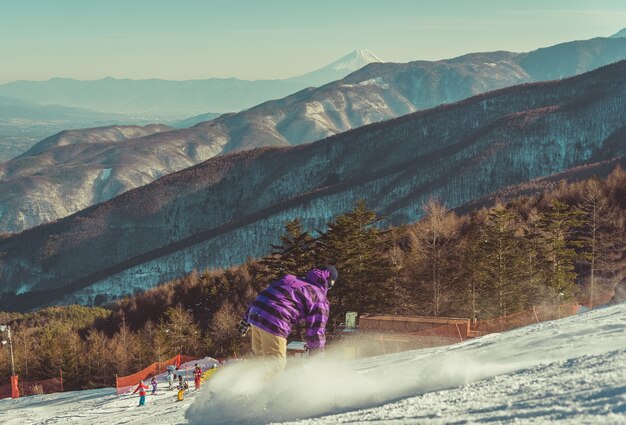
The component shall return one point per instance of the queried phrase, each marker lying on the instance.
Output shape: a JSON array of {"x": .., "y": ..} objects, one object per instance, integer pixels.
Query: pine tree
[
  {"x": 25, "y": 346},
  {"x": 558, "y": 227},
  {"x": 51, "y": 342},
  {"x": 98, "y": 358},
  {"x": 502, "y": 259},
  {"x": 431, "y": 238},
  {"x": 357, "y": 248},
  {"x": 183, "y": 332},
  {"x": 157, "y": 340},
  {"x": 473, "y": 270},
  {"x": 294, "y": 255},
  {"x": 531, "y": 275},
  {"x": 223, "y": 327},
  {"x": 598, "y": 224},
  {"x": 402, "y": 300},
  {"x": 124, "y": 346},
  {"x": 72, "y": 361}
]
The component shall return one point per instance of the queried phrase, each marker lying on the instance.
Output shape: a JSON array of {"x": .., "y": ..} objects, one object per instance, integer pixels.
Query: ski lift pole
[
  {"x": 7, "y": 328},
  {"x": 11, "y": 350}
]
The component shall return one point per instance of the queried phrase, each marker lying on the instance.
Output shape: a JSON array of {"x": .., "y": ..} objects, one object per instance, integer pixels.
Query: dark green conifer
[
  {"x": 502, "y": 258},
  {"x": 356, "y": 246},
  {"x": 294, "y": 255},
  {"x": 560, "y": 246}
]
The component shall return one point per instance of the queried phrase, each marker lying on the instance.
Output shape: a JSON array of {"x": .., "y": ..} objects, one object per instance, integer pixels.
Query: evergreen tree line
[{"x": 565, "y": 244}]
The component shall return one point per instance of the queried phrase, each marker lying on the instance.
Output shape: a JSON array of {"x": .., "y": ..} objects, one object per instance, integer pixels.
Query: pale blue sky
[{"x": 260, "y": 39}]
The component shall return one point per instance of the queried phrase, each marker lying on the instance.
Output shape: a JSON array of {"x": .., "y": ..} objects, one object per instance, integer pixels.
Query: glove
[{"x": 243, "y": 327}]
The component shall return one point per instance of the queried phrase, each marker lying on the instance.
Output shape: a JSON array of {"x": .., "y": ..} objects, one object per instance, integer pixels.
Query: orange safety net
[
  {"x": 407, "y": 324},
  {"x": 186, "y": 359},
  {"x": 375, "y": 343},
  {"x": 516, "y": 320},
  {"x": 26, "y": 388},
  {"x": 5, "y": 391},
  {"x": 366, "y": 344},
  {"x": 125, "y": 383},
  {"x": 451, "y": 331},
  {"x": 536, "y": 314},
  {"x": 45, "y": 386},
  {"x": 599, "y": 300}
]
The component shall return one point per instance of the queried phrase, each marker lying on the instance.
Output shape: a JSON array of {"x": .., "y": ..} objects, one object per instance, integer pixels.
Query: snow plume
[{"x": 242, "y": 393}]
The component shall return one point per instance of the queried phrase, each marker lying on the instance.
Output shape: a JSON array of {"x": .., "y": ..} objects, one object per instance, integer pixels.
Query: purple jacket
[{"x": 289, "y": 300}]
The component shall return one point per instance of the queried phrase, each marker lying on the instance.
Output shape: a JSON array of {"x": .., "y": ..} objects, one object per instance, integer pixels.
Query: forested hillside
[
  {"x": 47, "y": 184},
  {"x": 560, "y": 245},
  {"x": 220, "y": 212}
]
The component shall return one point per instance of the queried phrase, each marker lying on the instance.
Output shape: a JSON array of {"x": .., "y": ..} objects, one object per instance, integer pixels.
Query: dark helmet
[{"x": 333, "y": 274}]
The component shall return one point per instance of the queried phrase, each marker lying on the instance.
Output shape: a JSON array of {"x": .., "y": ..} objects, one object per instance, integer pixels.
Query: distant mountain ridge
[
  {"x": 42, "y": 187},
  {"x": 620, "y": 34},
  {"x": 23, "y": 123},
  {"x": 115, "y": 133},
  {"x": 229, "y": 208},
  {"x": 168, "y": 99}
]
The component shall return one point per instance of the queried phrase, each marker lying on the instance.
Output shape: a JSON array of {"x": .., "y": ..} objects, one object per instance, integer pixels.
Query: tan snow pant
[{"x": 271, "y": 347}]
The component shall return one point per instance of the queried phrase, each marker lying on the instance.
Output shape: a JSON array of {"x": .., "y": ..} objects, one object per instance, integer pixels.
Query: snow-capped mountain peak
[
  {"x": 620, "y": 34},
  {"x": 338, "y": 69},
  {"x": 355, "y": 60}
]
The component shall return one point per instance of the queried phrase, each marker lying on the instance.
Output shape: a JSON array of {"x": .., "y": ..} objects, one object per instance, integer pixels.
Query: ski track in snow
[{"x": 571, "y": 371}]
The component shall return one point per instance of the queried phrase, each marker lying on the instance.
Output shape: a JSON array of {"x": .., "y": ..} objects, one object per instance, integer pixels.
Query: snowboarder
[
  {"x": 142, "y": 392},
  {"x": 284, "y": 303},
  {"x": 197, "y": 376},
  {"x": 153, "y": 382}
]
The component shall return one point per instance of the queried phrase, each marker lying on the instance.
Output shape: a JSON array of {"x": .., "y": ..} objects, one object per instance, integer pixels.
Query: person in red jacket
[
  {"x": 197, "y": 376},
  {"x": 142, "y": 393}
]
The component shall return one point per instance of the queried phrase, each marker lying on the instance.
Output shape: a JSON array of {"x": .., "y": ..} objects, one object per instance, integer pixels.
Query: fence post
[
  {"x": 61, "y": 374},
  {"x": 535, "y": 313},
  {"x": 15, "y": 390},
  {"x": 459, "y": 331}
]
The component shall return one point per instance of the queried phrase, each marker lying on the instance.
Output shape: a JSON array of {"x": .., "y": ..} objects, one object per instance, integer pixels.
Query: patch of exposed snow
[
  {"x": 378, "y": 81},
  {"x": 106, "y": 173},
  {"x": 22, "y": 290}
]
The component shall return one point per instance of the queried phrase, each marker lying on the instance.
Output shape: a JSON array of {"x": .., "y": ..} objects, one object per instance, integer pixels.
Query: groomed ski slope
[{"x": 570, "y": 371}]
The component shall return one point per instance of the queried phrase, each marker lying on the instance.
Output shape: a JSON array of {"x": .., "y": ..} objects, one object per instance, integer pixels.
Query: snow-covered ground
[
  {"x": 103, "y": 406},
  {"x": 571, "y": 371}
]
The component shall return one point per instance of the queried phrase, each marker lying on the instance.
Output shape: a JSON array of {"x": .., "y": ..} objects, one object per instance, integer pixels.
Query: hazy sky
[{"x": 259, "y": 39}]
